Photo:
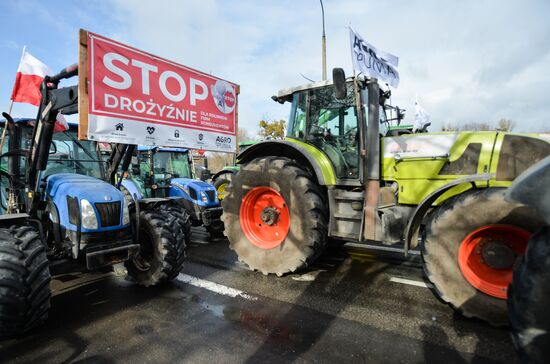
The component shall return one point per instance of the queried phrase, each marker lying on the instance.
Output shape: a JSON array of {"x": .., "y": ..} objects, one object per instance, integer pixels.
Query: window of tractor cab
[
  {"x": 67, "y": 154},
  {"x": 331, "y": 126},
  {"x": 172, "y": 163},
  {"x": 180, "y": 165},
  {"x": 70, "y": 155}
]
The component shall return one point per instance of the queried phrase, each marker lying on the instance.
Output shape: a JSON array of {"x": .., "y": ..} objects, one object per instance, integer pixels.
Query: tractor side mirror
[
  {"x": 339, "y": 80},
  {"x": 136, "y": 170},
  {"x": 205, "y": 175},
  {"x": 400, "y": 115}
]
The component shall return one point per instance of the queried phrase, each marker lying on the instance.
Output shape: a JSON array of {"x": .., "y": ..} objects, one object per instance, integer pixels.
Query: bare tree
[
  {"x": 243, "y": 135},
  {"x": 217, "y": 160},
  {"x": 506, "y": 124},
  {"x": 501, "y": 125}
]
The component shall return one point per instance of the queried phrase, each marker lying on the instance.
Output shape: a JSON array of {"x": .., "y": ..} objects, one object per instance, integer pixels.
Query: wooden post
[
  {"x": 83, "y": 85},
  {"x": 237, "y": 92}
]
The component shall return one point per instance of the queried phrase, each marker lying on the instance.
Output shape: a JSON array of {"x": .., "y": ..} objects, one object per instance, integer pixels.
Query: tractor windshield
[
  {"x": 330, "y": 124},
  {"x": 70, "y": 155},
  {"x": 174, "y": 163}
]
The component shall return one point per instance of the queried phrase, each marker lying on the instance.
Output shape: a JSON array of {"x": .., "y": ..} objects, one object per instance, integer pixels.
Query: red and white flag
[{"x": 30, "y": 74}]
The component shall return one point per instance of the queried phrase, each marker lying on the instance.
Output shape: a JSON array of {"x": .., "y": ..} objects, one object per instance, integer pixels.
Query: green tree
[{"x": 272, "y": 129}]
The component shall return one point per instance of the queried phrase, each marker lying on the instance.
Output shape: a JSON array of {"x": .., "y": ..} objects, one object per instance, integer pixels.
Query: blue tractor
[
  {"x": 57, "y": 208},
  {"x": 168, "y": 172}
]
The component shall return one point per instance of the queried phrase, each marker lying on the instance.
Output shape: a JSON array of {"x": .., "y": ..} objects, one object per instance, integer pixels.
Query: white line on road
[
  {"x": 214, "y": 287},
  {"x": 410, "y": 282}
]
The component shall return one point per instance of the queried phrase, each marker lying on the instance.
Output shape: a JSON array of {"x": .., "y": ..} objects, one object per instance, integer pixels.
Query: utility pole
[{"x": 324, "y": 43}]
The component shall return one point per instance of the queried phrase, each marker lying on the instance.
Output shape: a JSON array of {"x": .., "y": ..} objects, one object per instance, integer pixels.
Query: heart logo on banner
[{"x": 150, "y": 129}]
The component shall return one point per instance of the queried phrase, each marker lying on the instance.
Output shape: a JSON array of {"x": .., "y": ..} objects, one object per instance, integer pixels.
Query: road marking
[
  {"x": 410, "y": 282},
  {"x": 214, "y": 287}
]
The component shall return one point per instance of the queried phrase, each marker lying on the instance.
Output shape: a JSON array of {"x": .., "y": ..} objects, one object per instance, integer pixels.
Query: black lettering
[{"x": 357, "y": 42}]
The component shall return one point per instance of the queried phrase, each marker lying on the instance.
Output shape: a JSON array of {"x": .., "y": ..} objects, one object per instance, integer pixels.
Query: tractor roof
[
  {"x": 26, "y": 121},
  {"x": 146, "y": 148},
  {"x": 287, "y": 92},
  {"x": 247, "y": 143}
]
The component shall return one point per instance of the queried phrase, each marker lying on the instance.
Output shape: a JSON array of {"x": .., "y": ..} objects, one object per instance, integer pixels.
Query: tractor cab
[
  {"x": 333, "y": 117},
  {"x": 318, "y": 118},
  {"x": 155, "y": 168}
]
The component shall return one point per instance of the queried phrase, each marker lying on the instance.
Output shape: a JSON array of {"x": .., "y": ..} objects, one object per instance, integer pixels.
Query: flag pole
[{"x": 11, "y": 107}]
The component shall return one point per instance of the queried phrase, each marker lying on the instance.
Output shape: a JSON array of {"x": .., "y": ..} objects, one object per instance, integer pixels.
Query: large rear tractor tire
[
  {"x": 275, "y": 216},
  {"x": 471, "y": 243},
  {"x": 162, "y": 248},
  {"x": 24, "y": 281},
  {"x": 529, "y": 301}
]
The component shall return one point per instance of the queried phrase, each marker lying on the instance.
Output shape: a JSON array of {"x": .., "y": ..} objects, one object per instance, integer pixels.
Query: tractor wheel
[
  {"x": 274, "y": 216},
  {"x": 529, "y": 299},
  {"x": 24, "y": 280},
  {"x": 182, "y": 218},
  {"x": 162, "y": 248},
  {"x": 221, "y": 184},
  {"x": 215, "y": 229},
  {"x": 471, "y": 243}
]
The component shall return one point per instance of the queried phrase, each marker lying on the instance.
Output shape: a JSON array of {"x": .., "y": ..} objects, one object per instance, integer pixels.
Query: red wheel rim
[
  {"x": 486, "y": 257},
  {"x": 264, "y": 217}
]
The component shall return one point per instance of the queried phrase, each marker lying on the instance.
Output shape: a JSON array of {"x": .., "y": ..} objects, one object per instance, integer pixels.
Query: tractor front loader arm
[{"x": 54, "y": 101}]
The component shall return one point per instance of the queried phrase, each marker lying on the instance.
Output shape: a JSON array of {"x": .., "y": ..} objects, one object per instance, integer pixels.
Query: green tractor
[
  {"x": 342, "y": 175},
  {"x": 221, "y": 179}
]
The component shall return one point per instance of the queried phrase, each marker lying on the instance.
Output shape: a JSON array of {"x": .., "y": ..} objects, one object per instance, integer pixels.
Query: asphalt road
[{"x": 352, "y": 306}]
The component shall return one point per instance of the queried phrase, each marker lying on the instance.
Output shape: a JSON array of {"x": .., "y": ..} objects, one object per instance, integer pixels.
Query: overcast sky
[{"x": 468, "y": 61}]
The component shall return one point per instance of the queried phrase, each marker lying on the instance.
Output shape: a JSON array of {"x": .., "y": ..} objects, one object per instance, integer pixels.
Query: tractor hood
[
  {"x": 60, "y": 187},
  {"x": 82, "y": 187},
  {"x": 195, "y": 191}
]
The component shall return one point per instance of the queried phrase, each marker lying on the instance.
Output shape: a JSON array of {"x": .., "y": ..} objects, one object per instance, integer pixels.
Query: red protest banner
[{"x": 138, "y": 98}]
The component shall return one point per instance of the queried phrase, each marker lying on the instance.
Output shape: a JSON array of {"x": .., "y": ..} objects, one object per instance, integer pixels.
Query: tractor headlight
[
  {"x": 87, "y": 215},
  {"x": 125, "y": 212},
  {"x": 204, "y": 197}
]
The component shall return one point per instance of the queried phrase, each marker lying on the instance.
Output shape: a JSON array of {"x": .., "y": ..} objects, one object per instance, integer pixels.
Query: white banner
[
  {"x": 419, "y": 145},
  {"x": 373, "y": 62},
  {"x": 421, "y": 118},
  {"x": 102, "y": 128}
]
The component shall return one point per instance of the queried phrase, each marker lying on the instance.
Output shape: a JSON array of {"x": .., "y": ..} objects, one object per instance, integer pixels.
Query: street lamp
[{"x": 324, "y": 43}]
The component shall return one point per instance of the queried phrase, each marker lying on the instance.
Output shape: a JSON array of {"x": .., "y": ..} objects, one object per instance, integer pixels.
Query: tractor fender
[
  {"x": 132, "y": 188},
  {"x": 222, "y": 172},
  {"x": 306, "y": 155},
  {"x": 531, "y": 188},
  {"x": 411, "y": 232}
]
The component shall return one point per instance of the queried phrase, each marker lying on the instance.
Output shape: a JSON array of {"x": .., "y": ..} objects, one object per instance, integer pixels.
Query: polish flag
[{"x": 30, "y": 74}]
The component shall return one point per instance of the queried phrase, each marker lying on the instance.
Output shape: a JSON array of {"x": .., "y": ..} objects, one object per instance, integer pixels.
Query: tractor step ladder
[{"x": 346, "y": 209}]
